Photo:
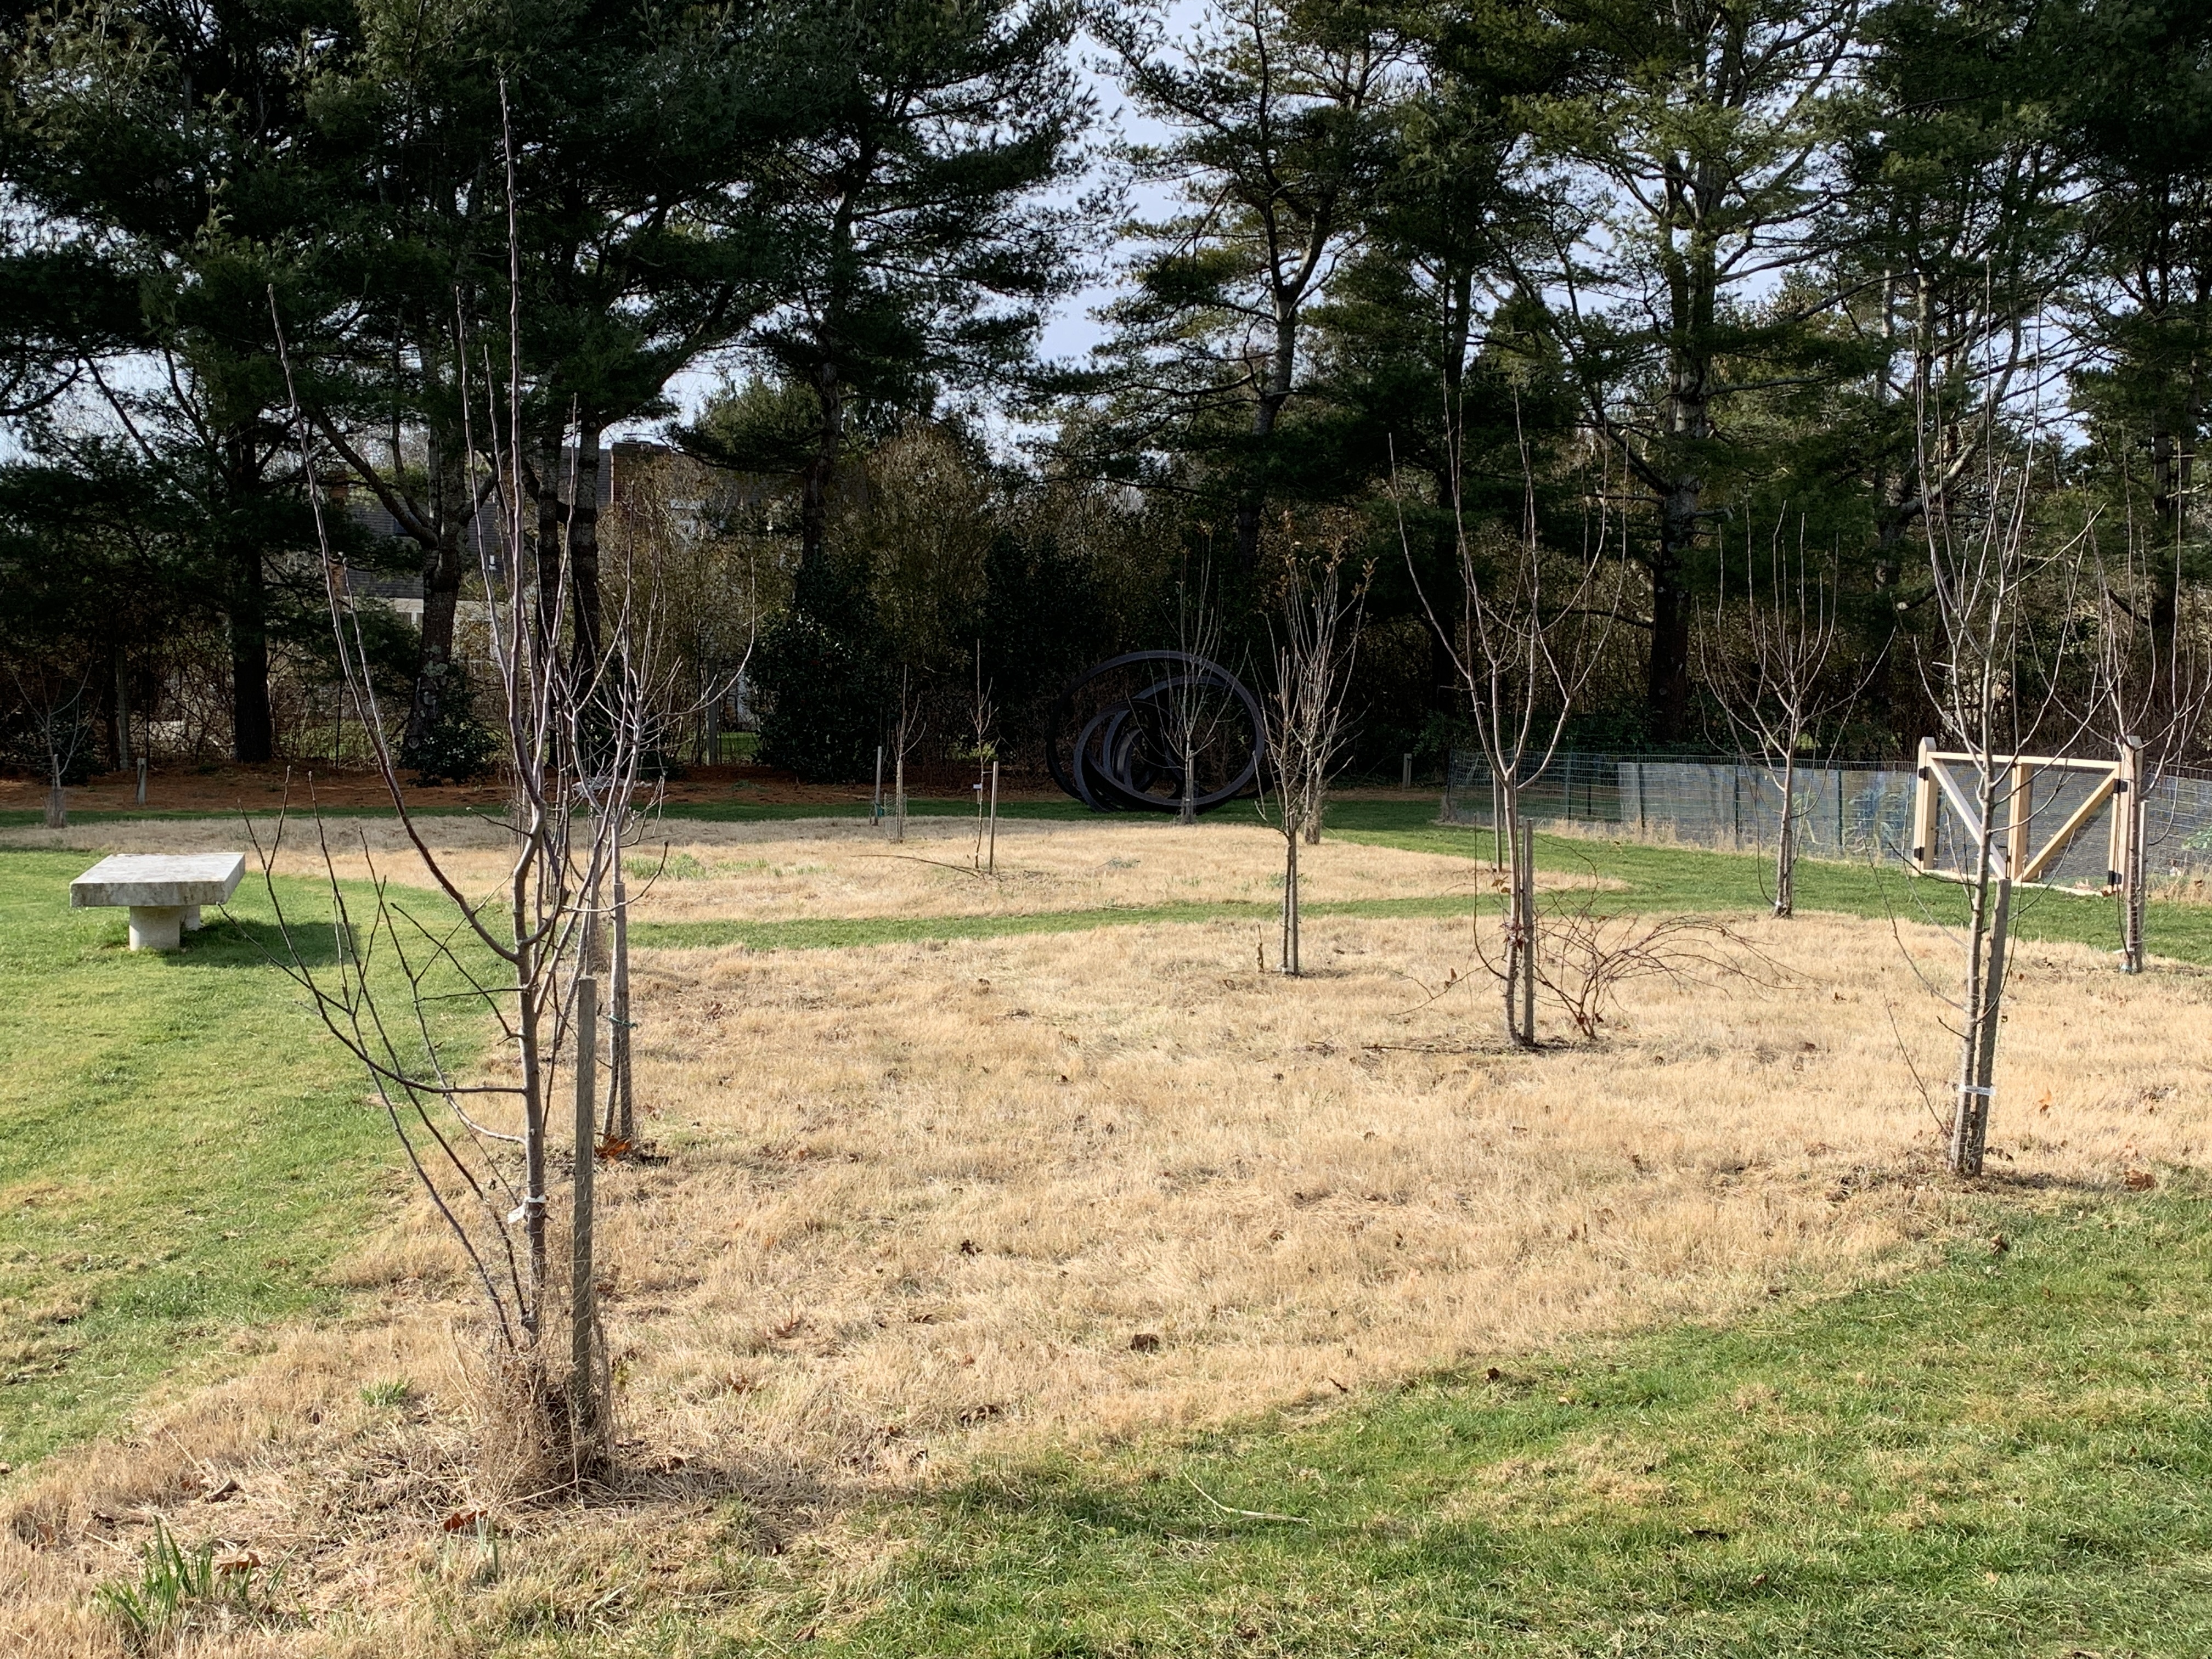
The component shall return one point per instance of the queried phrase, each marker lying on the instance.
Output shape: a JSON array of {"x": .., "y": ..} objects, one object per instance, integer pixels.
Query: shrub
[
  {"x": 824, "y": 698},
  {"x": 453, "y": 746}
]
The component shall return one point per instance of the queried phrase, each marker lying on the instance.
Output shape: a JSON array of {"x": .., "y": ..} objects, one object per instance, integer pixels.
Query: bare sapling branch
[
  {"x": 1315, "y": 651},
  {"x": 2006, "y": 598},
  {"x": 1585, "y": 955},
  {"x": 56, "y": 709},
  {"x": 1767, "y": 653},
  {"x": 1530, "y": 632},
  {"x": 906, "y": 733},
  {"x": 2155, "y": 674},
  {"x": 1195, "y": 709},
  {"x": 983, "y": 716},
  {"x": 574, "y": 729}
]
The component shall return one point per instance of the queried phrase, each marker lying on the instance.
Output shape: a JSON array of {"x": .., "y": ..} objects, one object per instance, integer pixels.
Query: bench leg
[
  {"x": 157, "y": 926},
  {"x": 192, "y": 922}
]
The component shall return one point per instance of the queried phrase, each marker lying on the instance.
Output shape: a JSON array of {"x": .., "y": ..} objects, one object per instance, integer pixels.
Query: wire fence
[{"x": 1842, "y": 812}]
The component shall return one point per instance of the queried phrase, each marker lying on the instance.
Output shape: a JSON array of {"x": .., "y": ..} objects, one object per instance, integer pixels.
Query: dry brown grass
[
  {"x": 925, "y": 1201},
  {"x": 841, "y": 867}
]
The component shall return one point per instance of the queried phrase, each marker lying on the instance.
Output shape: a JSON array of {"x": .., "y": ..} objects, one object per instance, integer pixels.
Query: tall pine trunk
[
  {"x": 441, "y": 586},
  {"x": 253, "y": 734},
  {"x": 584, "y": 551}
]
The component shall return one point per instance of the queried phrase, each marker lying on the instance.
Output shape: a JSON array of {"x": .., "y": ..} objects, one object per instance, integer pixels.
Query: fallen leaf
[
  {"x": 668, "y": 1463},
  {"x": 236, "y": 1561},
  {"x": 1145, "y": 1342},
  {"x": 462, "y": 1520},
  {"x": 217, "y": 1494},
  {"x": 2140, "y": 1181}
]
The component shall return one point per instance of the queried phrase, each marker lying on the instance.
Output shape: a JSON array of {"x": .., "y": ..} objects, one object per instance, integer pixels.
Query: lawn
[
  {"x": 1995, "y": 1445},
  {"x": 181, "y": 1152},
  {"x": 2004, "y": 1455}
]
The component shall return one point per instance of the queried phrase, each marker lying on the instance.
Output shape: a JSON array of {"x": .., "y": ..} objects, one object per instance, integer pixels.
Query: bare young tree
[
  {"x": 655, "y": 563},
  {"x": 1766, "y": 653},
  {"x": 1314, "y": 657},
  {"x": 983, "y": 716},
  {"x": 906, "y": 733},
  {"x": 481, "y": 1138},
  {"x": 51, "y": 698},
  {"x": 2005, "y": 604},
  {"x": 1195, "y": 709},
  {"x": 2155, "y": 677},
  {"x": 1530, "y": 632}
]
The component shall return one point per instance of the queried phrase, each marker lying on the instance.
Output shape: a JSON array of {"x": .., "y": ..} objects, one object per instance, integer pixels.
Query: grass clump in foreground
[{"x": 2005, "y": 1455}]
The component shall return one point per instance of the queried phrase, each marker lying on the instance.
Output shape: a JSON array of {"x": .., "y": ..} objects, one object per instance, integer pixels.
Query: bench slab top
[{"x": 159, "y": 878}]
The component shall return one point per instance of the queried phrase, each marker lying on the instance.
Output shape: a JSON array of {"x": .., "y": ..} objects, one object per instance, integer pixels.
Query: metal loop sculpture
[{"x": 1120, "y": 734}]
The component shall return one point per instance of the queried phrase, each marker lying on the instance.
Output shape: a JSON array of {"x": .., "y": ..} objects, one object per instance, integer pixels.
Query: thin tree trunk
[
  {"x": 123, "y": 755},
  {"x": 550, "y": 514},
  {"x": 1666, "y": 685},
  {"x": 442, "y": 586},
  {"x": 814, "y": 482},
  {"x": 1970, "y": 1126},
  {"x": 1991, "y": 916},
  {"x": 530, "y": 1013},
  {"x": 584, "y": 552},
  {"x": 1785, "y": 843},
  {"x": 625, "y": 1119},
  {"x": 2128, "y": 800},
  {"x": 252, "y": 730},
  {"x": 1290, "y": 900},
  {"x": 583, "y": 1315},
  {"x": 1527, "y": 931}
]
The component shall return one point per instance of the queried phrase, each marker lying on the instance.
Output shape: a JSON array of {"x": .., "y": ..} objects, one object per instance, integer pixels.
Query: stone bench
[{"x": 164, "y": 892}]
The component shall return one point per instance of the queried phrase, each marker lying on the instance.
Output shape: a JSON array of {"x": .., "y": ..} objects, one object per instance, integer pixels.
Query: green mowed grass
[
  {"x": 182, "y": 1149},
  {"x": 2006, "y": 1455}
]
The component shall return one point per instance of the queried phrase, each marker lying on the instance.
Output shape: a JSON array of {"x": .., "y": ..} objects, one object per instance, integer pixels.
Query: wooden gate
[{"x": 2018, "y": 854}]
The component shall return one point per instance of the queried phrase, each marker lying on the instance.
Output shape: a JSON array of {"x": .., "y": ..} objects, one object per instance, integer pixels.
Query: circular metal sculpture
[{"x": 1118, "y": 734}]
